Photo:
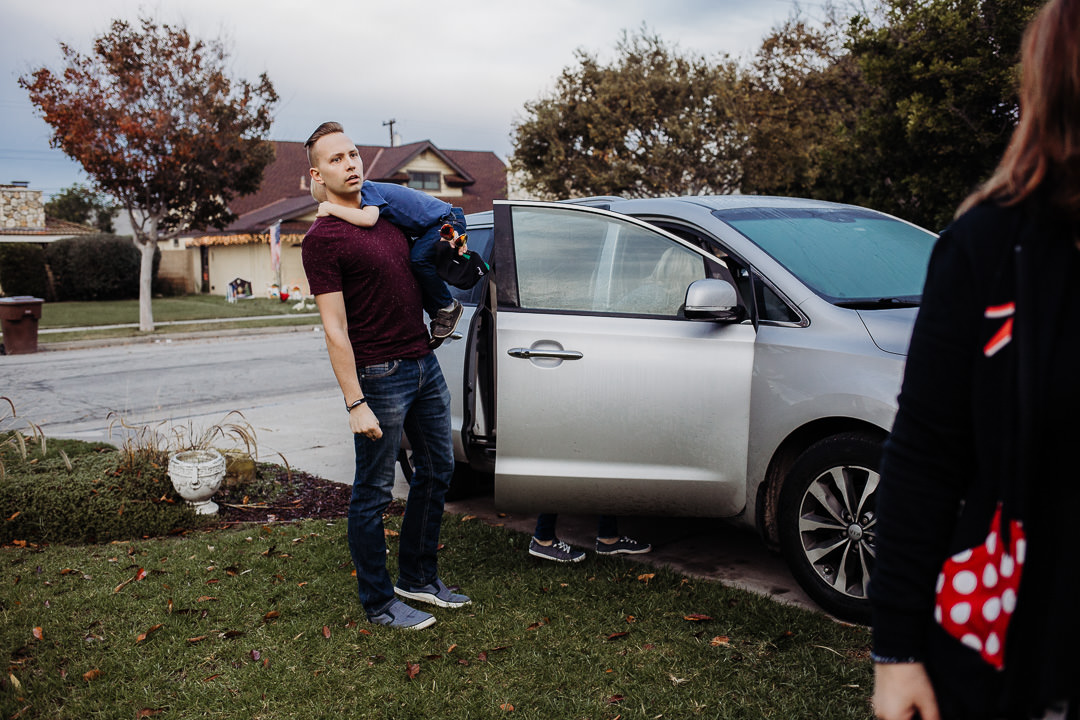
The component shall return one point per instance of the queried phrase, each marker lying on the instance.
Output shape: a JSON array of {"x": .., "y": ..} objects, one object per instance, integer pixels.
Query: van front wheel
[{"x": 828, "y": 522}]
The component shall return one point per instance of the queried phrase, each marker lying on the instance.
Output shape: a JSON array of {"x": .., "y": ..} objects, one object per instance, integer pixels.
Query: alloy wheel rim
[{"x": 837, "y": 527}]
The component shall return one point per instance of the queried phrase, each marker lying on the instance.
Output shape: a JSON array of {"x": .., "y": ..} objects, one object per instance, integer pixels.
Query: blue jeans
[
  {"x": 435, "y": 294},
  {"x": 607, "y": 526},
  {"x": 407, "y": 396}
]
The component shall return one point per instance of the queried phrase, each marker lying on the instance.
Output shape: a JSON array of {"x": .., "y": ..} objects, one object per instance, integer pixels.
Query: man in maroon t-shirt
[{"x": 378, "y": 344}]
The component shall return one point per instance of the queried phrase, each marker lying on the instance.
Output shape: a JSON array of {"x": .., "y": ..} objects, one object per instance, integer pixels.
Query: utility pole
[{"x": 391, "y": 124}]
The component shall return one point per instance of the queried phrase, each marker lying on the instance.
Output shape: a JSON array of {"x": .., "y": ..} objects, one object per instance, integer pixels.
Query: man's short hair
[{"x": 327, "y": 128}]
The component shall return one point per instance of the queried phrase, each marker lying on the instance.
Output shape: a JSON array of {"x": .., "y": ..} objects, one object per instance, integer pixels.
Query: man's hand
[
  {"x": 362, "y": 421},
  {"x": 902, "y": 691},
  {"x": 324, "y": 209}
]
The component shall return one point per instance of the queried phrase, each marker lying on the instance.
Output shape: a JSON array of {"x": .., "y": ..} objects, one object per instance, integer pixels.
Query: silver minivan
[{"x": 735, "y": 357}]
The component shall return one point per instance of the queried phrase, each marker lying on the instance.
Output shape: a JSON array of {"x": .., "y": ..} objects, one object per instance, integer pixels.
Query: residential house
[
  {"x": 468, "y": 179},
  {"x": 23, "y": 220}
]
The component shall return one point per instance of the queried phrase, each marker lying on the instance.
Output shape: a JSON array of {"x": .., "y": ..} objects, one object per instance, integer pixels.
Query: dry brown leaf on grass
[
  {"x": 506, "y": 707},
  {"x": 646, "y": 577},
  {"x": 140, "y": 574},
  {"x": 272, "y": 615},
  {"x": 412, "y": 670},
  {"x": 37, "y": 633},
  {"x": 91, "y": 675},
  {"x": 617, "y": 635},
  {"x": 326, "y": 631},
  {"x": 142, "y": 636},
  {"x": 720, "y": 640},
  {"x": 148, "y": 712},
  {"x": 197, "y": 639},
  {"x": 696, "y": 617}
]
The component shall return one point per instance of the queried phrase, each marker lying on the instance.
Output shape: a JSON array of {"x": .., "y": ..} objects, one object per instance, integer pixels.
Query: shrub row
[
  {"x": 92, "y": 267},
  {"x": 107, "y": 495}
]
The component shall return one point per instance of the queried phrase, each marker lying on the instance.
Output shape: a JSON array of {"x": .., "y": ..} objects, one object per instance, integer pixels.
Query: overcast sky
[{"x": 456, "y": 72}]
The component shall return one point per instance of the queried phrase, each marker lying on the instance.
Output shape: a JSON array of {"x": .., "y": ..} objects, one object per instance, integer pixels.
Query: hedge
[
  {"x": 22, "y": 270},
  {"x": 96, "y": 267}
]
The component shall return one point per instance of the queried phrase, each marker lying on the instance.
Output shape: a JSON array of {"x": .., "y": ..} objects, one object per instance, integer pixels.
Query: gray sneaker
[
  {"x": 435, "y": 593},
  {"x": 622, "y": 546},
  {"x": 444, "y": 322},
  {"x": 399, "y": 615},
  {"x": 557, "y": 551}
]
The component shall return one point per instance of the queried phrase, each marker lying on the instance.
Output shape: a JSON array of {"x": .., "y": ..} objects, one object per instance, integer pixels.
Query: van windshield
[{"x": 849, "y": 256}]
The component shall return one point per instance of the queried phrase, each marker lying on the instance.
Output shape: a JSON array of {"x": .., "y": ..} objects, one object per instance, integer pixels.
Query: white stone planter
[{"x": 196, "y": 475}]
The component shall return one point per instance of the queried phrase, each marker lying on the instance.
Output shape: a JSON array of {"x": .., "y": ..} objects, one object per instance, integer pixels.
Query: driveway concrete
[{"x": 281, "y": 382}]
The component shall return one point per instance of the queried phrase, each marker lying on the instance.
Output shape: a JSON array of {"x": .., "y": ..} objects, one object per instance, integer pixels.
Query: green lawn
[
  {"x": 189, "y": 307},
  {"x": 263, "y": 622},
  {"x": 99, "y": 315}
]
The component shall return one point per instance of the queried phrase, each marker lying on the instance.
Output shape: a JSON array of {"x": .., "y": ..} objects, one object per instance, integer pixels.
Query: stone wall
[{"x": 21, "y": 207}]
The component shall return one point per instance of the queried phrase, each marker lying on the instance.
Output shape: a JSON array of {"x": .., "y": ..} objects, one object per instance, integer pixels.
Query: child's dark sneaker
[
  {"x": 622, "y": 546},
  {"x": 557, "y": 551},
  {"x": 444, "y": 322}
]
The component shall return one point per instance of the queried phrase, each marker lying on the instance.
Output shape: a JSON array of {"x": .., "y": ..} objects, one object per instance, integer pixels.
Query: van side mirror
[{"x": 713, "y": 299}]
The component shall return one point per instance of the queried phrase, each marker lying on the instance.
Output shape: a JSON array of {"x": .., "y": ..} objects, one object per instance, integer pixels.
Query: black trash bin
[{"x": 19, "y": 317}]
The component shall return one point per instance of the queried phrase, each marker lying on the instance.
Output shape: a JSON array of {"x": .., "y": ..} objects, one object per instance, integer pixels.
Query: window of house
[{"x": 424, "y": 180}]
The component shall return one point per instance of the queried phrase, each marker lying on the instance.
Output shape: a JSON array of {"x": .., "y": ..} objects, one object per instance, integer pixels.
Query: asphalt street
[{"x": 282, "y": 385}]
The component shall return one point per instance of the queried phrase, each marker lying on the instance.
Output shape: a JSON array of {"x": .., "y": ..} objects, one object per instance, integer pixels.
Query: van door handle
[{"x": 529, "y": 353}]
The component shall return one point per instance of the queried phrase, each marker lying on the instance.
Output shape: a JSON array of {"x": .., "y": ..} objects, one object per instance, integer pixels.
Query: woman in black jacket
[{"x": 977, "y": 578}]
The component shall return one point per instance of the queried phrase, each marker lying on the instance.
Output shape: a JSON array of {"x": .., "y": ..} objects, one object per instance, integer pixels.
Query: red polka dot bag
[{"x": 976, "y": 591}]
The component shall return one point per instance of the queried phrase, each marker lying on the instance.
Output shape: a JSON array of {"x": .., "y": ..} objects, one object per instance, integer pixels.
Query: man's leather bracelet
[{"x": 358, "y": 403}]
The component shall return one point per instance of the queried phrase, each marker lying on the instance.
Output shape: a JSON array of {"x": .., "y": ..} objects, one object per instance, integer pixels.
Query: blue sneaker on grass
[
  {"x": 399, "y": 615},
  {"x": 435, "y": 593}
]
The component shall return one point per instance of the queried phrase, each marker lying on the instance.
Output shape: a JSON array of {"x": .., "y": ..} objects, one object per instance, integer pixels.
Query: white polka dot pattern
[{"x": 976, "y": 591}]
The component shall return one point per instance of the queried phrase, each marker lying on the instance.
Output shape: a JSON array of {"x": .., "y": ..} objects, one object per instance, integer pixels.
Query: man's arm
[
  {"x": 362, "y": 420},
  {"x": 366, "y": 216}
]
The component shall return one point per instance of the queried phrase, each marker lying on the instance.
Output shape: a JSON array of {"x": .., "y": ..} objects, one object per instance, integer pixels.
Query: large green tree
[
  {"x": 80, "y": 204},
  {"x": 803, "y": 93},
  {"x": 156, "y": 121},
  {"x": 944, "y": 78},
  {"x": 654, "y": 121}
]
